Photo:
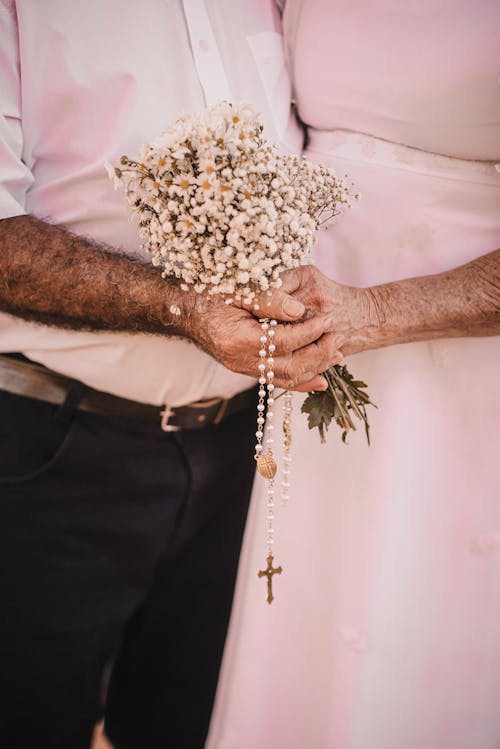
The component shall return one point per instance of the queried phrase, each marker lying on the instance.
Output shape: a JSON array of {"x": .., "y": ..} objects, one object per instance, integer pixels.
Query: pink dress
[{"x": 385, "y": 629}]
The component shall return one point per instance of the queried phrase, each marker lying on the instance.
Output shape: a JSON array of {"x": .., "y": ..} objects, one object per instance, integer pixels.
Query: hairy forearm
[
  {"x": 51, "y": 276},
  {"x": 461, "y": 302}
]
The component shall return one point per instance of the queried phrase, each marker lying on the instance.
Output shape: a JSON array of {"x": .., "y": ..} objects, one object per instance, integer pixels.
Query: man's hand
[{"x": 232, "y": 336}]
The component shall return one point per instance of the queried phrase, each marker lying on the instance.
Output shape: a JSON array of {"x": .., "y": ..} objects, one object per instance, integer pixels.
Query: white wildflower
[{"x": 220, "y": 209}]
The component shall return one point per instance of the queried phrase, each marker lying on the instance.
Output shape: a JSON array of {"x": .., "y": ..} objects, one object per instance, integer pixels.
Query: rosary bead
[{"x": 263, "y": 449}]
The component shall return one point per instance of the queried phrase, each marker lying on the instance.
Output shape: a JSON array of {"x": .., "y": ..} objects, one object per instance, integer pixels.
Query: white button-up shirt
[{"x": 82, "y": 83}]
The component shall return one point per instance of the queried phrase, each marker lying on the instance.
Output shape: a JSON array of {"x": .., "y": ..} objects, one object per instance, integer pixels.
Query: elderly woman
[{"x": 384, "y": 629}]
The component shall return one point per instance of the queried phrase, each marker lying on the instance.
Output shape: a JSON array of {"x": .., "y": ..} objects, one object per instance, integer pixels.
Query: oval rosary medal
[{"x": 266, "y": 466}]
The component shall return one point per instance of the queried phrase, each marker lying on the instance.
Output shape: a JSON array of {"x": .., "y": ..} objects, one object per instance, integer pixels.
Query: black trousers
[{"x": 119, "y": 546}]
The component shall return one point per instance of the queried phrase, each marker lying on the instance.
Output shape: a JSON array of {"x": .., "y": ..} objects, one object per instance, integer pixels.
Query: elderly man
[{"x": 127, "y": 431}]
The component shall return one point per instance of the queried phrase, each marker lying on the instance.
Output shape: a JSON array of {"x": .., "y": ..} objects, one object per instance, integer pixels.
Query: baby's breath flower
[{"x": 220, "y": 209}]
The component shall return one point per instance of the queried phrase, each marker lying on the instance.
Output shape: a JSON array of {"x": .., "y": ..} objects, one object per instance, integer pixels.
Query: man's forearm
[{"x": 52, "y": 276}]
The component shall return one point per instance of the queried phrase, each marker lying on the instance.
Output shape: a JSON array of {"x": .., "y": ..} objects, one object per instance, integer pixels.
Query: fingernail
[
  {"x": 322, "y": 387},
  {"x": 293, "y": 308}
]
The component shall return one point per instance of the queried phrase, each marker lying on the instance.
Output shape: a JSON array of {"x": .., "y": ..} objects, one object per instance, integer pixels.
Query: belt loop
[
  {"x": 71, "y": 401},
  {"x": 221, "y": 412}
]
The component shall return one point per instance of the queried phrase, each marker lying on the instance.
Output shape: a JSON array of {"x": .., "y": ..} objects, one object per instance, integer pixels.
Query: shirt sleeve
[{"x": 15, "y": 177}]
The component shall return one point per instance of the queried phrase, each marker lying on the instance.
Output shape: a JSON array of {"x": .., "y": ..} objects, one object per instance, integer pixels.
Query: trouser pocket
[{"x": 33, "y": 437}]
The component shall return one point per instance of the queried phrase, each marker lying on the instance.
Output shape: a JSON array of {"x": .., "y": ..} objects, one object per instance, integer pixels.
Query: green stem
[
  {"x": 347, "y": 392},
  {"x": 347, "y": 421}
]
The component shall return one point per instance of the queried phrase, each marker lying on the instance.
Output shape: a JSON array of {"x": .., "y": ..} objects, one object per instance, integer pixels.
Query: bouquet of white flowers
[
  {"x": 223, "y": 211},
  {"x": 220, "y": 209}
]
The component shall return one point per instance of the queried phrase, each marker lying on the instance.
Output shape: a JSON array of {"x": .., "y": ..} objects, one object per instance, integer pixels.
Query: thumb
[{"x": 280, "y": 306}]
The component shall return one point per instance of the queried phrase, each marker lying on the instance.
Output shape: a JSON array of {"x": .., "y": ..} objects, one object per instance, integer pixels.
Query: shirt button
[{"x": 203, "y": 45}]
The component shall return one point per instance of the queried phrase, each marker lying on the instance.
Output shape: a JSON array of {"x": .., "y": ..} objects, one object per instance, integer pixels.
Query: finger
[
  {"x": 304, "y": 365},
  {"x": 279, "y": 305},
  {"x": 318, "y": 383},
  {"x": 293, "y": 280},
  {"x": 290, "y": 338}
]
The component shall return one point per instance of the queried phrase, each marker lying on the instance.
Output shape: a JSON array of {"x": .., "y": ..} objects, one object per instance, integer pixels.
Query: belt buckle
[{"x": 166, "y": 414}]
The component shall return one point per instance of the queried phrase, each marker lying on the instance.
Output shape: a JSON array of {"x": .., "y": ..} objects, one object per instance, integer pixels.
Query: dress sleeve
[{"x": 15, "y": 177}]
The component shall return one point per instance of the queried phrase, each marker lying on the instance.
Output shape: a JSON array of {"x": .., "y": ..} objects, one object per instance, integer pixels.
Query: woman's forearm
[{"x": 464, "y": 301}]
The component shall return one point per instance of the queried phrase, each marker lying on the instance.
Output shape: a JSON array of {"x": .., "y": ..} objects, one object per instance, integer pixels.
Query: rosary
[{"x": 266, "y": 464}]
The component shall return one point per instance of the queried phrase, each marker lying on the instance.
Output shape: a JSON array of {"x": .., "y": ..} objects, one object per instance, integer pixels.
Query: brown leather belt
[{"x": 35, "y": 381}]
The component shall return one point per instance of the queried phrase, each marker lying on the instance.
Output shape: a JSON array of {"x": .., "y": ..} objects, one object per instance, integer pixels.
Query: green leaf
[
  {"x": 343, "y": 398},
  {"x": 320, "y": 409}
]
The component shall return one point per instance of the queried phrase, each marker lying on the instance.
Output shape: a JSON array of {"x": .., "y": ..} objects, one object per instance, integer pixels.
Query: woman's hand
[
  {"x": 464, "y": 301},
  {"x": 348, "y": 311}
]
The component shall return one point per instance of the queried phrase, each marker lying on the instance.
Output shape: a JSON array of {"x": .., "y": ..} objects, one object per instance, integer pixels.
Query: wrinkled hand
[
  {"x": 232, "y": 336},
  {"x": 352, "y": 312}
]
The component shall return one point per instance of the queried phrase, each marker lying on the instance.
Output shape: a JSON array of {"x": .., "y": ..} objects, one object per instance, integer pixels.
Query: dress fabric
[{"x": 385, "y": 628}]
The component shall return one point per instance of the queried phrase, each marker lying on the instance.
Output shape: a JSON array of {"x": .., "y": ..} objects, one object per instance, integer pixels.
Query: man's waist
[
  {"x": 22, "y": 377},
  {"x": 139, "y": 367}
]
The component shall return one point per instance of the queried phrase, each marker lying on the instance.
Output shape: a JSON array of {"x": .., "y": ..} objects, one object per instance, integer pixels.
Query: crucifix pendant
[{"x": 269, "y": 572}]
